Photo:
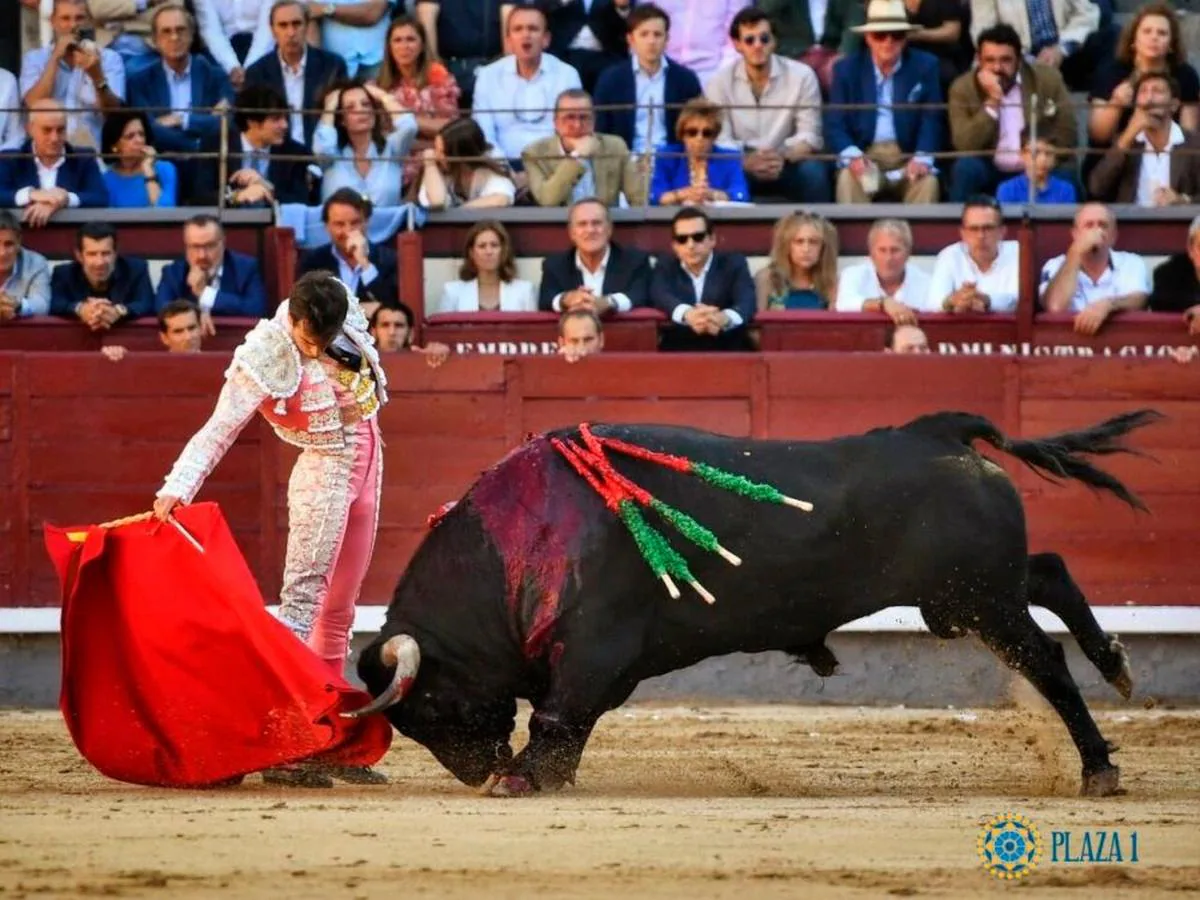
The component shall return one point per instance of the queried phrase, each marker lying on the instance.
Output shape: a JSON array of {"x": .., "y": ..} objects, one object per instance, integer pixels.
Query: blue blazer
[
  {"x": 80, "y": 175},
  {"x": 725, "y": 173},
  {"x": 210, "y": 85},
  {"x": 728, "y": 285},
  {"x": 240, "y": 293},
  {"x": 129, "y": 286},
  {"x": 320, "y": 69},
  {"x": 917, "y": 130},
  {"x": 616, "y": 86}
]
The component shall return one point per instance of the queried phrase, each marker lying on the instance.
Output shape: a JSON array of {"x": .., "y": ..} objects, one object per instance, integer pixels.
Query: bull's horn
[{"x": 402, "y": 652}]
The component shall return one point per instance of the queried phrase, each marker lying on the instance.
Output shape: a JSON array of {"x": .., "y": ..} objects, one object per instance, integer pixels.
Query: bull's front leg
[{"x": 548, "y": 761}]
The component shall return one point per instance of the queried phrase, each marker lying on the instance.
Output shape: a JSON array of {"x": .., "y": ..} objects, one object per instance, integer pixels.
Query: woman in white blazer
[{"x": 488, "y": 276}]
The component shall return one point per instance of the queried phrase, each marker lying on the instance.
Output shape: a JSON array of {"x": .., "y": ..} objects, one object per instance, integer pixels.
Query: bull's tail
[{"x": 1060, "y": 455}]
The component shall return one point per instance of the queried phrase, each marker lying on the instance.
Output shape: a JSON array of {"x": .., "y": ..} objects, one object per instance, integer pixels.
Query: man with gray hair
[
  {"x": 1177, "y": 283},
  {"x": 888, "y": 282},
  {"x": 24, "y": 274}
]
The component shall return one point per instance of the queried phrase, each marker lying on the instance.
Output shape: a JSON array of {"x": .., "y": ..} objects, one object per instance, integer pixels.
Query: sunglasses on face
[
  {"x": 751, "y": 39},
  {"x": 699, "y": 132},
  {"x": 695, "y": 237},
  {"x": 885, "y": 36}
]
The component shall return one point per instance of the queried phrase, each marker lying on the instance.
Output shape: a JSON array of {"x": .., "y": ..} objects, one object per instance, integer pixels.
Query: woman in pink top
[
  {"x": 699, "y": 37},
  {"x": 422, "y": 85}
]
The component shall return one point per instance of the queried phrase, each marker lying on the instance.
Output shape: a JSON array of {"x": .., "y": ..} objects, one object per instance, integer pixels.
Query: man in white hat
[{"x": 885, "y": 120}]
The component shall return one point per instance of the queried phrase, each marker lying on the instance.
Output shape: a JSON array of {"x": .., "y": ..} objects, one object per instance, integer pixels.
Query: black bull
[{"x": 531, "y": 588}]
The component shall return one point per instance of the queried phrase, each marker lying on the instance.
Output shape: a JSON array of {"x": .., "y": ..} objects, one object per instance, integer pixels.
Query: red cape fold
[{"x": 173, "y": 671}]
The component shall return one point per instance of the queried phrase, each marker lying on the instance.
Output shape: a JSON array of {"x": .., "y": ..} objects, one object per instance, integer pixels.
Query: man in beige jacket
[{"x": 576, "y": 162}]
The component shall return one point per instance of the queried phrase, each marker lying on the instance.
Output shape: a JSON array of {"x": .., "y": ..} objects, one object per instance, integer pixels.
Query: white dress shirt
[
  {"x": 293, "y": 88},
  {"x": 208, "y": 296},
  {"x": 517, "y": 295},
  {"x": 1155, "y": 171},
  {"x": 1126, "y": 273},
  {"x": 595, "y": 281},
  {"x": 698, "y": 280},
  {"x": 860, "y": 283},
  {"x": 650, "y": 114},
  {"x": 47, "y": 179},
  {"x": 512, "y": 111},
  {"x": 954, "y": 268}
]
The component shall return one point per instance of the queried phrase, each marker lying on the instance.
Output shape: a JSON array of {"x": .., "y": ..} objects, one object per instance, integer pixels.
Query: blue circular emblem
[{"x": 1010, "y": 846}]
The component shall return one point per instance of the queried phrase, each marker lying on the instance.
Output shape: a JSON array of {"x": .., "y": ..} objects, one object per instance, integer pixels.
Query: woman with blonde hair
[
  {"x": 488, "y": 279},
  {"x": 802, "y": 271},
  {"x": 695, "y": 171}
]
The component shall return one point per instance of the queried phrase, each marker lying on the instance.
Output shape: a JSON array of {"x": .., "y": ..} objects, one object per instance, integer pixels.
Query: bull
[{"x": 529, "y": 587}]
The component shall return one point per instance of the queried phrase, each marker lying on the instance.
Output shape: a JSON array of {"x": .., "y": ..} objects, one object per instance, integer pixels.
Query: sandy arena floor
[{"x": 681, "y": 802}]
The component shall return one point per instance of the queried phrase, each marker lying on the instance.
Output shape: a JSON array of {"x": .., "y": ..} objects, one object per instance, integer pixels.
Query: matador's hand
[{"x": 163, "y": 507}]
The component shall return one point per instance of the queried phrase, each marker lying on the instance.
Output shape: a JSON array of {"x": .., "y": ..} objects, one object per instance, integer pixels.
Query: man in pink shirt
[{"x": 699, "y": 37}]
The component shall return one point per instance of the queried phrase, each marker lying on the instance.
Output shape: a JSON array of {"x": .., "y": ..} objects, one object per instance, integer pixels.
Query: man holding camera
[{"x": 85, "y": 79}]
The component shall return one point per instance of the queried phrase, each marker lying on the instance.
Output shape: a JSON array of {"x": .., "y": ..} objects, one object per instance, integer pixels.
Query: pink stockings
[{"x": 333, "y": 512}]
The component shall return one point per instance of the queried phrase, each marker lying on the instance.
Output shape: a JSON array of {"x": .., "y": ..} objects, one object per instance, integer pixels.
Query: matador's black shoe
[
  {"x": 354, "y": 774},
  {"x": 297, "y": 776}
]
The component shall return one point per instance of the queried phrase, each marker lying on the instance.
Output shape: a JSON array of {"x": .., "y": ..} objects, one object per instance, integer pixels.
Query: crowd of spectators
[{"x": 589, "y": 105}]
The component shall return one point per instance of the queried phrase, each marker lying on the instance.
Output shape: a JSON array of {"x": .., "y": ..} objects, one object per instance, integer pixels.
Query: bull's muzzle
[{"x": 402, "y": 652}]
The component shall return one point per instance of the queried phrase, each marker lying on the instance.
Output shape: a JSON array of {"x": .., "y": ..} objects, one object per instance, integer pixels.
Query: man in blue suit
[
  {"x": 101, "y": 287},
  {"x": 179, "y": 89},
  {"x": 318, "y": 68},
  {"x": 651, "y": 74},
  {"x": 219, "y": 281},
  {"x": 46, "y": 174},
  {"x": 708, "y": 296},
  {"x": 886, "y": 153}
]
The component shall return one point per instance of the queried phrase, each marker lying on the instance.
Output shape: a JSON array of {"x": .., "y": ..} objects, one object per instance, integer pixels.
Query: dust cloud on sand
[{"x": 671, "y": 802}]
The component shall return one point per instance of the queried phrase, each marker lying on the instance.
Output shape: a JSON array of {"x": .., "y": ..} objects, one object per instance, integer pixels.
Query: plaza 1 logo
[{"x": 1011, "y": 846}]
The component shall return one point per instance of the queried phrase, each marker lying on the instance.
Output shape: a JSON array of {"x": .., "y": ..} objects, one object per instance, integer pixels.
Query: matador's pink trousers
[{"x": 333, "y": 513}]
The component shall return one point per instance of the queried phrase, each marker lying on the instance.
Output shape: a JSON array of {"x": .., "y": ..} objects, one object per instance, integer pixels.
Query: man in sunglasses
[
  {"x": 772, "y": 114},
  {"x": 708, "y": 296}
]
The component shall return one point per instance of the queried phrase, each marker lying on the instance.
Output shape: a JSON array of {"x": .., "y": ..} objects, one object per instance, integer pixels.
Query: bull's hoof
[
  {"x": 1123, "y": 679},
  {"x": 506, "y": 786},
  {"x": 1104, "y": 783}
]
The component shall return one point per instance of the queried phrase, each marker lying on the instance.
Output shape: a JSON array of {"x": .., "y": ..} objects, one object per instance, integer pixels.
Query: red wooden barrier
[
  {"x": 533, "y": 334},
  {"x": 798, "y": 330},
  {"x": 83, "y": 440}
]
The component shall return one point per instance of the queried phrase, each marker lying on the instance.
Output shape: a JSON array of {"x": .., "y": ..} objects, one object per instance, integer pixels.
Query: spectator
[
  {"x": 135, "y": 176},
  {"x": 364, "y": 128},
  {"x": 266, "y": 166},
  {"x": 598, "y": 274},
  {"x": 24, "y": 274},
  {"x": 178, "y": 329},
  {"x": 886, "y": 153},
  {"x": 459, "y": 171},
  {"x": 465, "y": 34},
  {"x": 369, "y": 270},
  {"x": 127, "y": 28},
  {"x": 420, "y": 84},
  {"x": 589, "y": 35},
  {"x": 392, "y": 327},
  {"x": 700, "y": 40},
  {"x": 1151, "y": 42},
  {"x": 1091, "y": 278},
  {"x": 488, "y": 279},
  {"x": 514, "y": 96},
  {"x": 219, "y": 281},
  {"x": 580, "y": 334},
  {"x": 817, "y": 34},
  {"x": 11, "y": 132},
  {"x": 772, "y": 113},
  {"x": 354, "y": 30},
  {"x": 86, "y": 79},
  {"x": 643, "y": 99},
  {"x": 45, "y": 173},
  {"x": 906, "y": 339},
  {"x": 1176, "y": 287},
  {"x": 1154, "y": 162},
  {"x": 941, "y": 29},
  {"x": 236, "y": 33},
  {"x": 802, "y": 270},
  {"x": 889, "y": 282},
  {"x": 708, "y": 296},
  {"x": 295, "y": 69},
  {"x": 980, "y": 273},
  {"x": 184, "y": 93},
  {"x": 694, "y": 171},
  {"x": 101, "y": 287},
  {"x": 1060, "y": 34},
  {"x": 990, "y": 109},
  {"x": 1039, "y": 157},
  {"x": 576, "y": 162}
]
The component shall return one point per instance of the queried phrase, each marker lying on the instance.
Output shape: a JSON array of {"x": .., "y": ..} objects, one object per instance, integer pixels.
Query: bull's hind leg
[
  {"x": 1051, "y": 586},
  {"x": 1018, "y": 640}
]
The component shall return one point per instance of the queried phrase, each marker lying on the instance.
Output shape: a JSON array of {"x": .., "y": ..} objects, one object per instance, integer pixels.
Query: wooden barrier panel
[
  {"x": 536, "y": 334},
  {"x": 45, "y": 333},
  {"x": 782, "y": 330},
  {"x": 83, "y": 440}
]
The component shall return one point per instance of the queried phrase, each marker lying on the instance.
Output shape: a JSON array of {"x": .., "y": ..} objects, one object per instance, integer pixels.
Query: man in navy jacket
[
  {"x": 876, "y": 138},
  {"x": 595, "y": 273},
  {"x": 101, "y": 287},
  {"x": 605, "y": 19},
  {"x": 73, "y": 177},
  {"x": 368, "y": 269},
  {"x": 709, "y": 296},
  {"x": 219, "y": 281},
  {"x": 670, "y": 85}
]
